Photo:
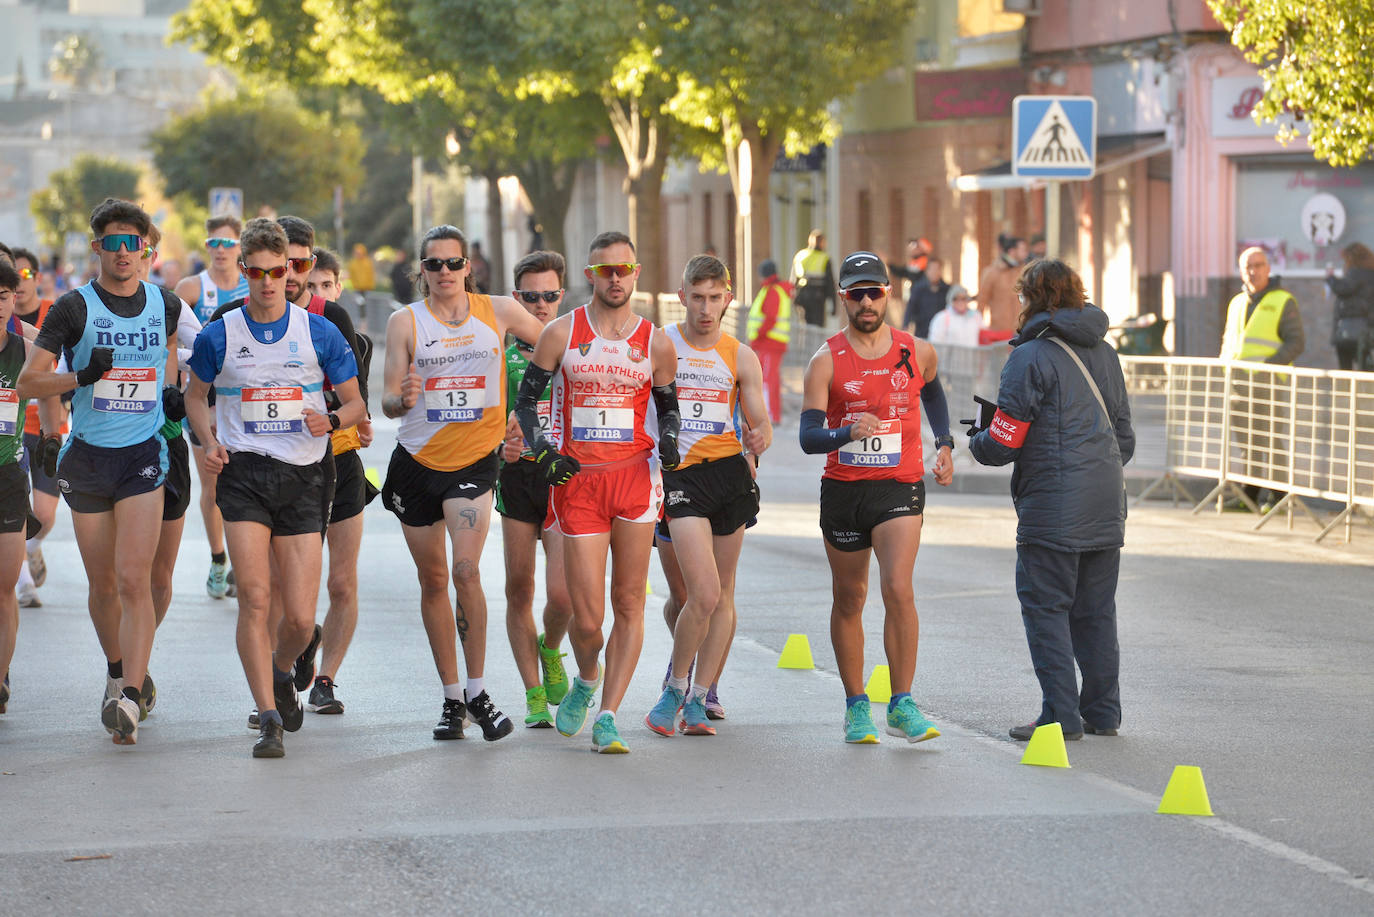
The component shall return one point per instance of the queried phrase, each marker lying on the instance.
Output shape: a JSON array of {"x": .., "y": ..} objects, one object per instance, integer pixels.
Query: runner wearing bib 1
[{"x": 600, "y": 403}]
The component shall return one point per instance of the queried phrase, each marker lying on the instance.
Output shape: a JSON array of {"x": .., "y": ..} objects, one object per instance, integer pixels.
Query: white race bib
[
  {"x": 605, "y": 418},
  {"x": 450, "y": 399},
  {"x": 124, "y": 390},
  {"x": 273, "y": 410},
  {"x": 704, "y": 410},
  {"x": 882, "y": 449},
  {"x": 9, "y": 411}
]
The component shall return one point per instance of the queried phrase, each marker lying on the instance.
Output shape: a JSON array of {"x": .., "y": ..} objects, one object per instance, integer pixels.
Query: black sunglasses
[
  {"x": 533, "y": 296},
  {"x": 437, "y": 264}
]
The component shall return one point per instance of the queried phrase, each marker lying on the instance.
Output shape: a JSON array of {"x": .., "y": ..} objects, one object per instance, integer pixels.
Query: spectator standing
[
  {"x": 957, "y": 323},
  {"x": 402, "y": 281},
  {"x": 997, "y": 285},
  {"x": 361, "y": 272},
  {"x": 770, "y": 324},
  {"x": 1354, "y": 291},
  {"x": 1064, "y": 420},
  {"x": 481, "y": 269},
  {"x": 813, "y": 279}
]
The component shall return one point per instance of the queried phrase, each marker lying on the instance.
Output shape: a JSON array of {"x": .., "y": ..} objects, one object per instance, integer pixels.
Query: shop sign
[{"x": 950, "y": 94}]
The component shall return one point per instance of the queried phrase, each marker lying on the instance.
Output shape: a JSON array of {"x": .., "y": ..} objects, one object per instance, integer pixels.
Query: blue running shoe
[
  {"x": 572, "y": 713},
  {"x": 858, "y": 725},
  {"x": 694, "y": 718},
  {"x": 906, "y": 722},
  {"x": 663, "y": 718},
  {"x": 605, "y": 737}
]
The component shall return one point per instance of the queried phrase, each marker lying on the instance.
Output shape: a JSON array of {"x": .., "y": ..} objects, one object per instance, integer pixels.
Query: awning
[{"x": 1112, "y": 153}]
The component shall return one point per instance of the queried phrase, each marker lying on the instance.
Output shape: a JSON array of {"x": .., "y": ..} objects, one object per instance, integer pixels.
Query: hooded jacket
[{"x": 1068, "y": 485}]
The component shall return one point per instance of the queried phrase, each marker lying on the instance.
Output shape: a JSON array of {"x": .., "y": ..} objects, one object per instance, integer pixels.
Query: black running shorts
[
  {"x": 522, "y": 492},
  {"x": 416, "y": 494},
  {"x": 176, "y": 492},
  {"x": 721, "y": 490},
  {"x": 288, "y": 499},
  {"x": 850, "y": 510}
]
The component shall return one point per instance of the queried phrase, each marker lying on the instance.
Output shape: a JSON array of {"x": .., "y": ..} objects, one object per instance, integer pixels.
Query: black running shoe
[
  {"x": 494, "y": 723},
  {"x": 5, "y": 693},
  {"x": 305, "y": 665},
  {"x": 322, "y": 699},
  {"x": 269, "y": 744},
  {"x": 450, "y": 724},
  {"x": 288, "y": 704}
]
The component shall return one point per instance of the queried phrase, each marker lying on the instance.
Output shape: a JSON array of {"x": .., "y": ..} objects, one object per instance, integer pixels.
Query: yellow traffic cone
[
  {"x": 372, "y": 475},
  {"x": 879, "y": 688},
  {"x": 796, "y": 653},
  {"x": 1186, "y": 794},
  {"x": 1046, "y": 747}
]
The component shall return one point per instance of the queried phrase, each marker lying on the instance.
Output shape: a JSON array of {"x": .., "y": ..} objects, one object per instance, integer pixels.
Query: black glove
[
  {"x": 173, "y": 403},
  {"x": 48, "y": 447},
  {"x": 558, "y": 468},
  {"x": 985, "y": 411},
  {"x": 102, "y": 359},
  {"x": 668, "y": 455}
]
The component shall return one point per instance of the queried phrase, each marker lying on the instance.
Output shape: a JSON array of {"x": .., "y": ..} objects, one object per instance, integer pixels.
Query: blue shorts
[{"x": 95, "y": 478}]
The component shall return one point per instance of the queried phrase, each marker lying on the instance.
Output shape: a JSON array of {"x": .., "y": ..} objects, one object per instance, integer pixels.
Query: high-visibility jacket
[
  {"x": 780, "y": 329},
  {"x": 809, "y": 265},
  {"x": 1256, "y": 338}
]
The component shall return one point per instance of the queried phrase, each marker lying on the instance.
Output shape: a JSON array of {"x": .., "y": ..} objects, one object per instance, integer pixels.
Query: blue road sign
[
  {"x": 1054, "y": 136},
  {"x": 226, "y": 202}
]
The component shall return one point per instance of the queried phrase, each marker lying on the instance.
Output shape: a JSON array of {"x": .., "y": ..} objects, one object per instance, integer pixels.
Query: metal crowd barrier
[{"x": 1305, "y": 434}]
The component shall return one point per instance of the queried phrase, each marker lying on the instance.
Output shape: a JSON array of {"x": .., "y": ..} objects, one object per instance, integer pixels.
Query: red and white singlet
[{"x": 889, "y": 388}]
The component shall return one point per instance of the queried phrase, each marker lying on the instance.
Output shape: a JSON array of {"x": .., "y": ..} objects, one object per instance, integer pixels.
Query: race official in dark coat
[{"x": 1068, "y": 446}]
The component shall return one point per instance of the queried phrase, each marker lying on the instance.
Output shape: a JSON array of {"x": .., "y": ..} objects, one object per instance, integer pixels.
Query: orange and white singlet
[
  {"x": 601, "y": 394},
  {"x": 460, "y": 416},
  {"x": 707, "y": 387},
  {"x": 889, "y": 388}
]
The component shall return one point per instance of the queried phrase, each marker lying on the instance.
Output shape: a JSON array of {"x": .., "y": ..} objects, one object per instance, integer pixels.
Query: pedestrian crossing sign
[{"x": 1054, "y": 137}]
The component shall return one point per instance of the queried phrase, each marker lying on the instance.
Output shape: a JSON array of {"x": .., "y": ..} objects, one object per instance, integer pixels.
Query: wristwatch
[
  {"x": 333, "y": 421},
  {"x": 945, "y": 440}
]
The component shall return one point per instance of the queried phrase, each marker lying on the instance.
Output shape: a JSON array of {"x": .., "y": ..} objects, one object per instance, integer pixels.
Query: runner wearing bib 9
[
  {"x": 860, "y": 409},
  {"x": 120, "y": 334},
  {"x": 445, "y": 379}
]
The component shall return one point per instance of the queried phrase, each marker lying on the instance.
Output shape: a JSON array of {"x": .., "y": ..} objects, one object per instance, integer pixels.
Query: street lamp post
[{"x": 746, "y": 212}]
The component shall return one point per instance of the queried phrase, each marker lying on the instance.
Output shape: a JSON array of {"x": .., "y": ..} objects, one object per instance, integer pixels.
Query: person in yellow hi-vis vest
[
  {"x": 1263, "y": 325},
  {"x": 813, "y": 279},
  {"x": 770, "y": 324}
]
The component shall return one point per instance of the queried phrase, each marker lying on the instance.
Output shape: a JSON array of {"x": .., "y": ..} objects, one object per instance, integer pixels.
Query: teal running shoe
[
  {"x": 906, "y": 722},
  {"x": 555, "y": 676},
  {"x": 663, "y": 718},
  {"x": 605, "y": 737},
  {"x": 572, "y": 713},
  {"x": 858, "y": 725},
  {"x": 694, "y": 720}
]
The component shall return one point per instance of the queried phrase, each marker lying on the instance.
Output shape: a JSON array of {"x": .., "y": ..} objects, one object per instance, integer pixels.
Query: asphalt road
[{"x": 1245, "y": 654}]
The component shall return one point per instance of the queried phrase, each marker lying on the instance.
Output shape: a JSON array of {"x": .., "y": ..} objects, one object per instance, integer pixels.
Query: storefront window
[{"x": 1301, "y": 212}]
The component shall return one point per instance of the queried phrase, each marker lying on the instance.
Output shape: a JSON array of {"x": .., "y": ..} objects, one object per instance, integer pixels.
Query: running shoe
[
  {"x": 494, "y": 723},
  {"x": 694, "y": 721},
  {"x": 713, "y": 708},
  {"x": 537, "y": 714},
  {"x": 663, "y": 718},
  {"x": 269, "y": 743},
  {"x": 322, "y": 699},
  {"x": 28, "y": 597},
  {"x": 606, "y": 738},
  {"x": 450, "y": 725},
  {"x": 253, "y": 722},
  {"x": 5, "y": 693},
  {"x": 231, "y": 588},
  {"x": 288, "y": 704},
  {"x": 572, "y": 713},
  {"x": 125, "y": 730},
  {"x": 555, "y": 676},
  {"x": 114, "y": 689},
  {"x": 217, "y": 582},
  {"x": 905, "y": 721},
  {"x": 305, "y": 663},
  {"x": 37, "y": 568},
  {"x": 858, "y": 725},
  {"x": 147, "y": 697}
]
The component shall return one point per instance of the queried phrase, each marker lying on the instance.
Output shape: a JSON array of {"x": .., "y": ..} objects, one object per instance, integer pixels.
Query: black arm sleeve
[
  {"x": 937, "y": 408},
  {"x": 526, "y": 408},
  {"x": 669, "y": 414}
]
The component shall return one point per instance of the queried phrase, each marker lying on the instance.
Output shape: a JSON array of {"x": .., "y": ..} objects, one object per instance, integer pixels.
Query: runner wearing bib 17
[
  {"x": 445, "y": 380},
  {"x": 120, "y": 333},
  {"x": 711, "y": 496},
  {"x": 608, "y": 363},
  {"x": 860, "y": 409}
]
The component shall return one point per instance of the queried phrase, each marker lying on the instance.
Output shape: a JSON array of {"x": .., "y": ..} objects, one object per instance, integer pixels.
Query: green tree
[
  {"x": 1314, "y": 58},
  {"x": 65, "y": 205},
  {"x": 279, "y": 154}
]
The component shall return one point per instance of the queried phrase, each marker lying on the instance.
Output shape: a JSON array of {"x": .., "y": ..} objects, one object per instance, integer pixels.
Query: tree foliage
[
  {"x": 66, "y": 203},
  {"x": 1314, "y": 58},
  {"x": 279, "y": 154}
]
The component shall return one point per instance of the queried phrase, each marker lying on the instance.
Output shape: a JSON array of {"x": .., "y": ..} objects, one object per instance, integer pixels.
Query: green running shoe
[
  {"x": 906, "y": 722},
  {"x": 858, "y": 725},
  {"x": 663, "y": 718},
  {"x": 537, "y": 709},
  {"x": 605, "y": 737},
  {"x": 555, "y": 677},
  {"x": 572, "y": 713},
  {"x": 694, "y": 720}
]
